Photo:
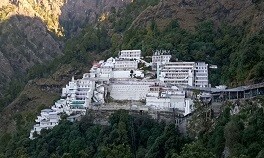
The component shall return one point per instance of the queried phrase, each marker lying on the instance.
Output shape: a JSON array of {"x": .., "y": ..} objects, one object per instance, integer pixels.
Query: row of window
[
  {"x": 130, "y": 55},
  {"x": 180, "y": 72},
  {"x": 177, "y": 69},
  {"x": 176, "y": 82},
  {"x": 126, "y": 66},
  {"x": 201, "y": 74},
  {"x": 130, "y": 89},
  {"x": 201, "y": 71},
  {"x": 201, "y": 68}
]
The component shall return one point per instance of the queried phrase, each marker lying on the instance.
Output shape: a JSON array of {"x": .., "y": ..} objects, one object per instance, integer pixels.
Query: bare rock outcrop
[{"x": 31, "y": 30}]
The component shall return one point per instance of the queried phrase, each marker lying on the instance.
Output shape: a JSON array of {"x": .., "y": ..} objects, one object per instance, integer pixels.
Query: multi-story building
[
  {"x": 201, "y": 75},
  {"x": 160, "y": 57},
  {"x": 126, "y": 64},
  {"x": 116, "y": 68},
  {"x": 79, "y": 92},
  {"x": 178, "y": 73},
  {"x": 184, "y": 73},
  {"x": 117, "y": 77},
  {"x": 130, "y": 54},
  {"x": 165, "y": 98},
  {"x": 47, "y": 120}
]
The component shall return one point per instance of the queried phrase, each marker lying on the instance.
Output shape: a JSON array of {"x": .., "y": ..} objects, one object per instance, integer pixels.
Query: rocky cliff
[
  {"x": 32, "y": 31},
  {"x": 78, "y": 13},
  {"x": 29, "y": 34}
]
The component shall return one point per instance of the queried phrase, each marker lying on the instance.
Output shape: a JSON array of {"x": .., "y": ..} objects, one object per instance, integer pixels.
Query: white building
[
  {"x": 184, "y": 73},
  {"x": 126, "y": 74},
  {"x": 129, "y": 89},
  {"x": 47, "y": 120},
  {"x": 201, "y": 75},
  {"x": 117, "y": 77},
  {"x": 116, "y": 68},
  {"x": 164, "y": 98},
  {"x": 126, "y": 64},
  {"x": 99, "y": 93},
  {"x": 130, "y": 54},
  {"x": 61, "y": 106},
  {"x": 178, "y": 73},
  {"x": 76, "y": 97},
  {"x": 160, "y": 57},
  {"x": 79, "y": 92}
]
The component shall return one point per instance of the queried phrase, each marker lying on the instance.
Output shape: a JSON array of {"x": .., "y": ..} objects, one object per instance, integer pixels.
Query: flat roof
[
  {"x": 47, "y": 110},
  {"x": 135, "y": 50}
]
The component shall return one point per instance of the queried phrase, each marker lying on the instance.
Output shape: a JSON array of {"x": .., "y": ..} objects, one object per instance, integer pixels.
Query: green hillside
[
  {"x": 236, "y": 51},
  {"x": 236, "y": 47},
  {"x": 235, "y": 135}
]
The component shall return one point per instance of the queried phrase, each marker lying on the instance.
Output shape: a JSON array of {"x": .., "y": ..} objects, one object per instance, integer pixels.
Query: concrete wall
[{"x": 128, "y": 91}]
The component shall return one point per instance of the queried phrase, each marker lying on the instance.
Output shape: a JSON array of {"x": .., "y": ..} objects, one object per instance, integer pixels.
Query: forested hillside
[
  {"x": 237, "y": 132},
  {"x": 233, "y": 47},
  {"x": 35, "y": 31},
  {"x": 126, "y": 136},
  {"x": 232, "y": 134},
  {"x": 94, "y": 42},
  {"x": 227, "y": 34}
]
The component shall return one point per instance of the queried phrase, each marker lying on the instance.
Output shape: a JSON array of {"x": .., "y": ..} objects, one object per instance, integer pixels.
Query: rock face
[
  {"x": 78, "y": 13},
  {"x": 27, "y": 36},
  {"x": 30, "y": 30},
  {"x": 25, "y": 41}
]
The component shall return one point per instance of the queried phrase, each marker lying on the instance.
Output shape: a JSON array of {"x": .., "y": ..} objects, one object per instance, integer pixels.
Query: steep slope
[
  {"x": 76, "y": 14},
  {"x": 147, "y": 27},
  {"x": 37, "y": 94},
  {"x": 189, "y": 13},
  {"x": 91, "y": 44},
  {"x": 237, "y": 132},
  {"x": 32, "y": 31},
  {"x": 226, "y": 33},
  {"x": 29, "y": 35}
]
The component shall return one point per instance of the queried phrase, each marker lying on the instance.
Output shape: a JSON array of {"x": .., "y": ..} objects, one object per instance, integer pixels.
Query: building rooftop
[
  {"x": 130, "y": 50},
  {"x": 47, "y": 110}
]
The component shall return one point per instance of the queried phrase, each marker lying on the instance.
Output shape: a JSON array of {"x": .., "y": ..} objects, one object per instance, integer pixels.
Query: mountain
[
  {"x": 79, "y": 52},
  {"x": 76, "y": 14},
  {"x": 34, "y": 32},
  {"x": 226, "y": 33},
  {"x": 190, "y": 12},
  {"x": 194, "y": 30}
]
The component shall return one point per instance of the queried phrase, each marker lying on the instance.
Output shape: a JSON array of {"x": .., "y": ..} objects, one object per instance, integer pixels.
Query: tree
[
  {"x": 194, "y": 150},
  {"x": 232, "y": 135}
]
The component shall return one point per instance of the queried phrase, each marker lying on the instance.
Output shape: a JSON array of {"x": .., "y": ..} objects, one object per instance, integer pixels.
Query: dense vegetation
[
  {"x": 238, "y": 135},
  {"x": 95, "y": 41},
  {"x": 11, "y": 91},
  {"x": 126, "y": 136},
  {"x": 232, "y": 134},
  {"x": 238, "y": 54}
]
